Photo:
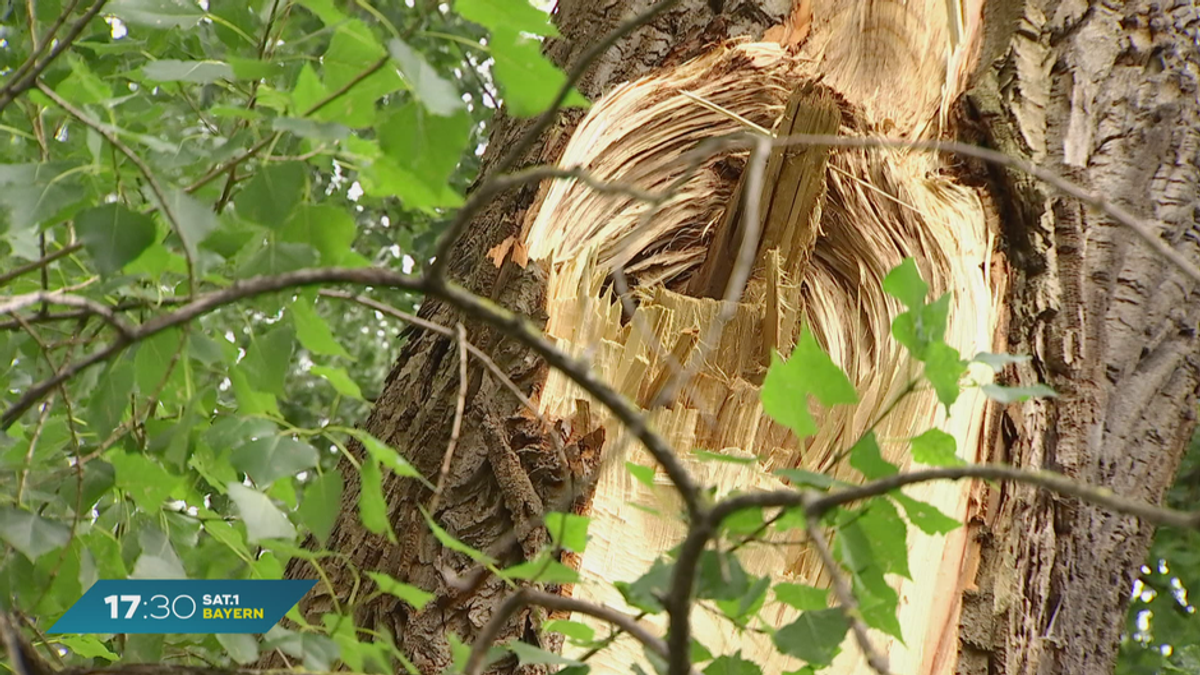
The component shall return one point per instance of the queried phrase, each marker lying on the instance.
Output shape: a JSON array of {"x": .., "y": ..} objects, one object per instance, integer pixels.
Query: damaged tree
[{"x": 645, "y": 282}]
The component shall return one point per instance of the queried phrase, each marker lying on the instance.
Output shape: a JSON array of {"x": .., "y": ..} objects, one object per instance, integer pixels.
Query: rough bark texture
[
  {"x": 1105, "y": 94},
  {"x": 494, "y": 486}
]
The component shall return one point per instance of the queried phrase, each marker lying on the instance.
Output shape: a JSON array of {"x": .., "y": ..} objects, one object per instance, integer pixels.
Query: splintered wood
[{"x": 835, "y": 222}]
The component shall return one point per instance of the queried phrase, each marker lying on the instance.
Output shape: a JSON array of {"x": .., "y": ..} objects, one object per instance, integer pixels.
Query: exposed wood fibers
[{"x": 874, "y": 207}]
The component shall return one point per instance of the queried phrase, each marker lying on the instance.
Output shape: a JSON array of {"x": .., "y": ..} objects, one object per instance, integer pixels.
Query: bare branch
[
  {"x": 20, "y": 83},
  {"x": 39, "y": 263},
  {"x": 529, "y": 596},
  {"x": 15, "y": 303},
  {"x": 460, "y": 405},
  {"x": 818, "y": 504}
]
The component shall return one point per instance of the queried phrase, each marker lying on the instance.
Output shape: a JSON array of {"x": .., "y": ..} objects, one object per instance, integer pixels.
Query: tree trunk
[{"x": 1104, "y": 96}]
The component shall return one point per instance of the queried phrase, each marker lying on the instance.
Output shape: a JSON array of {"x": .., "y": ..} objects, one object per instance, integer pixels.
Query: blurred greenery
[{"x": 1163, "y": 631}]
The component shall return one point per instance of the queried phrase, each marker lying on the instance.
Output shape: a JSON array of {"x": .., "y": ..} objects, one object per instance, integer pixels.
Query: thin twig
[
  {"x": 460, "y": 404},
  {"x": 529, "y": 596},
  {"x": 19, "y": 84},
  {"x": 39, "y": 263},
  {"x": 845, "y": 596},
  {"x": 817, "y": 503},
  {"x": 14, "y": 303}
]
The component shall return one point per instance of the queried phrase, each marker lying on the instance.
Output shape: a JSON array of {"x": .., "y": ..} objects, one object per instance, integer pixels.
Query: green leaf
[
  {"x": 32, "y": 193},
  {"x": 420, "y": 150},
  {"x": 254, "y": 69},
  {"x": 195, "y": 220},
  {"x": 241, "y": 647},
  {"x": 578, "y": 632},
  {"x": 306, "y": 128},
  {"x": 268, "y": 359},
  {"x": 110, "y": 400},
  {"x": 352, "y": 50},
  {"x": 926, "y": 516},
  {"x": 322, "y": 501},
  {"x": 314, "y": 333},
  {"x": 278, "y": 258},
  {"x": 943, "y": 368},
  {"x": 154, "y": 359},
  {"x": 866, "y": 457},
  {"x": 802, "y": 597},
  {"x": 159, "y": 14},
  {"x": 146, "y": 481},
  {"x": 644, "y": 593},
  {"x": 922, "y": 326},
  {"x": 98, "y": 478},
  {"x": 372, "y": 507},
  {"x": 198, "y": 72},
  {"x": 266, "y": 460},
  {"x": 228, "y": 535},
  {"x": 906, "y": 285},
  {"x": 158, "y": 559},
  {"x": 732, "y": 665},
  {"x": 542, "y": 570},
  {"x": 250, "y": 401},
  {"x": 114, "y": 236},
  {"x": 30, "y": 534},
  {"x": 328, "y": 229},
  {"x": 435, "y": 93},
  {"x": 386, "y": 455},
  {"x": 409, "y": 594},
  {"x": 528, "y": 654},
  {"x": 516, "y": 15},
  {"x": 87, "y": 646},
  {"x": 815, "y": 637},
  {"x": 530, "y": 82},
  {"x": 876, "y": 537},
  {"x": 642, "y": 474},
  {"x": 340, "y": 380},
  {"x": 935, "y": 448},
  {"x": 272, "y": 193},
  {"x": 997, "y": 362},
  {"x": 262, "y": 518},
  {"x": 809, "y": 370},
  {"x": 1006, "y": 395},
  {"x": 568, "y": 530}
]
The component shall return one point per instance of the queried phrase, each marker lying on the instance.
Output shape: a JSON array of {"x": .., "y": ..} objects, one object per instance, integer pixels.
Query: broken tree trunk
[{"x": 835, "y": 221}]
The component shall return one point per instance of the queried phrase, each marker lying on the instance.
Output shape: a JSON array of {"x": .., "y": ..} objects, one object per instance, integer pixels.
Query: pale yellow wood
[{"x": 880, "y": 206}]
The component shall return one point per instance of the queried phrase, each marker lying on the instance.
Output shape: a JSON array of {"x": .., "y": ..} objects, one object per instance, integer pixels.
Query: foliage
[{"x": 1162, "y": 616}]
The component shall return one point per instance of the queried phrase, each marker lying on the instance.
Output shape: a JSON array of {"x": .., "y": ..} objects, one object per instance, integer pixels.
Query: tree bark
[{"x": 1106, "y": 95}]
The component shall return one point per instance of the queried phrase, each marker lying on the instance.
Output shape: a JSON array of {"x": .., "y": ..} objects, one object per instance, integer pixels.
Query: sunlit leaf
[
  {"x": 198, "y": 72},
  {"x": 936, "y": 448},
  {"x": 434, "y": 92}
]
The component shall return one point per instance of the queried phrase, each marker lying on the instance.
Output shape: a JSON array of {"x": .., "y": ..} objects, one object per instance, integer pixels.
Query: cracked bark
[{"x": 1106, "y": 94}]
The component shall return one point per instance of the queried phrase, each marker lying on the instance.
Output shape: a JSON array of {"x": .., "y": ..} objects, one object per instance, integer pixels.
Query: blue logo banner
[{"x": 182, "y": 606}]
